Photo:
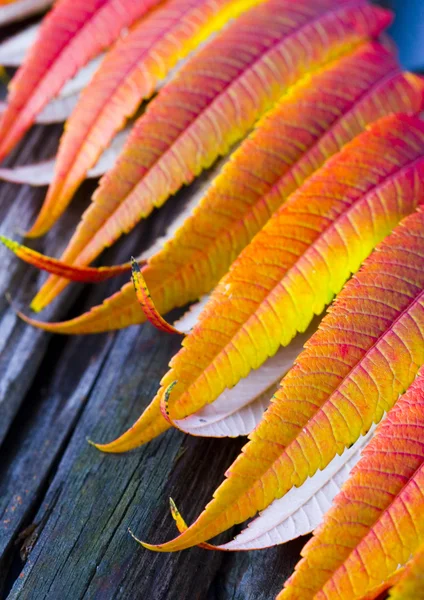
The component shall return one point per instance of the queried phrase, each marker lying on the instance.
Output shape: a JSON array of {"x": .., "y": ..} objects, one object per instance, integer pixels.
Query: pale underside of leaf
[
  {"x": 238, "y": 410},
  {"x": 22, "y": 9},
  {"x": 301, "y": 510},
  {"x": 59, "y": 109},
  {"x": 189, "y": 318},
  {"x": 14, "y": 49},
  {"x": 40, "y": 174},
  {"x": 206, "y": 125}
]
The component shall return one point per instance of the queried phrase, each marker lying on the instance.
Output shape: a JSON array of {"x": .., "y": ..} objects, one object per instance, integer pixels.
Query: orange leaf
[
  {"x": 376, "y": 522},
  {"x": 210, "y": 105}
]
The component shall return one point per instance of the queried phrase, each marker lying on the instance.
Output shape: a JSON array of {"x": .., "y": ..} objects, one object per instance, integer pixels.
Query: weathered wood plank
[
  {"x": 62, "y": 390},
  {"x": 41, "y": 432},
  {"x": 84, "y": 545},
  {"x": 21, "y": 348}
]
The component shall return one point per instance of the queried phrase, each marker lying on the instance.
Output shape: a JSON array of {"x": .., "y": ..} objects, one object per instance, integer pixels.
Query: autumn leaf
[
  {"x": 366, "y": 352},
  {"x": 313, "y": 121},
  {"x": 72, "y": 33},
  {"x": 210, "y": 105},
  {"x": 292, "y": 268}
]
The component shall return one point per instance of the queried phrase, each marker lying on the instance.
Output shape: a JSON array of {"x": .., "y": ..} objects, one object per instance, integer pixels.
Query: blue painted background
[{"x": 408, "y": 31}]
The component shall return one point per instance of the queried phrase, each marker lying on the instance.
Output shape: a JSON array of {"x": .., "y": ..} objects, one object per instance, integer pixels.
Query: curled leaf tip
[
  {"x": 165, "y": 400},
  {"x": 33, "y": 233},
  {"x": 37, "y": 306},
  {"x": 182, "y": 525},
  {"x": 107, "y": 448},
  {"x": 178, "y": 543},
  {"x": 144, "y": 544},
  {"x": 176, "y": 515},
  {"x": 134, "y": 536},
  {"x": 146, "y": 302},
  {"x": 8, "y": 243}
]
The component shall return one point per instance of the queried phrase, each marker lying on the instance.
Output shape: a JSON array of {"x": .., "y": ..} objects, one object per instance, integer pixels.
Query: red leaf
[{"x": 72, "y": 33}]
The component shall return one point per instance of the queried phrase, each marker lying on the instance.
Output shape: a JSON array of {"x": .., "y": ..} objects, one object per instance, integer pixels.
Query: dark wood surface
[{"x": 66, "y": 508}]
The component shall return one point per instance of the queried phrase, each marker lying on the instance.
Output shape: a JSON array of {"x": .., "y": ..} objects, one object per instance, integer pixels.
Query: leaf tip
[
  {"x": 134, "y": 265},
  {"x": 134, "y": 537},
  {"x": 176, "y": 515},
  {"x": 37, "y": 304},
  {"x": 164, "y": 402},
  {"x": 146, "y": 302},
  {"x": 144, "y": 544},
  {"x": 106, "y": 448},
  {"x": 8, "y": 243}
]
